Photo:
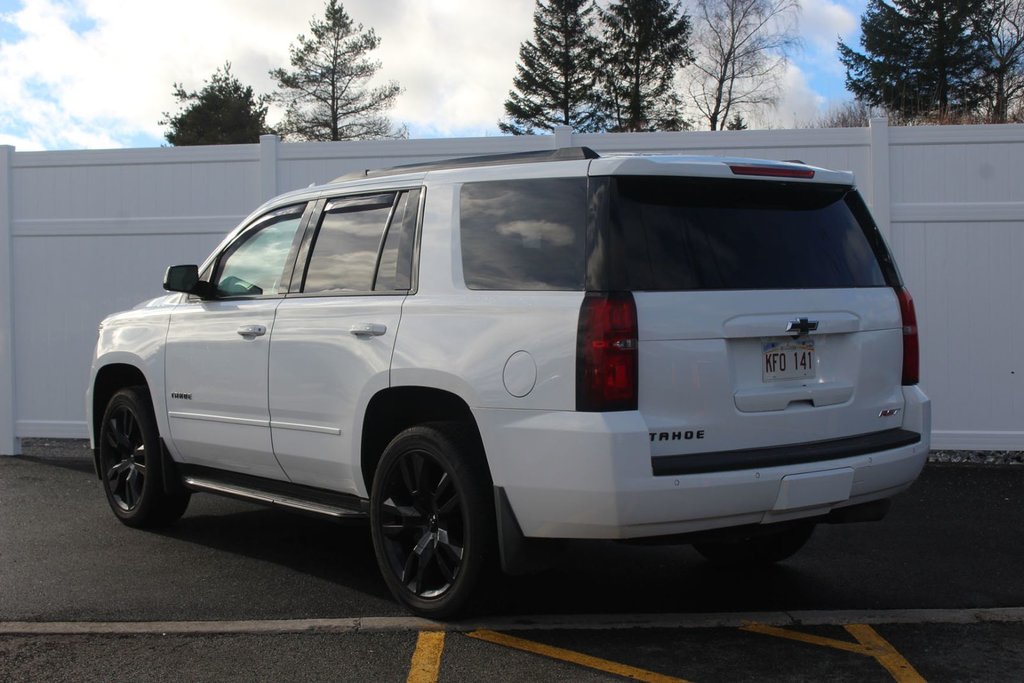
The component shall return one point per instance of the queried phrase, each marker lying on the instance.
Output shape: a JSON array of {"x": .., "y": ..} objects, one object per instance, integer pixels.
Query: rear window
[
  {"x": 678, "y": 234},
  {"x": 524, "y": 234}
]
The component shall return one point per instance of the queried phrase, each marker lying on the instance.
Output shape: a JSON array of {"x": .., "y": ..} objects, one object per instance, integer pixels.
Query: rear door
[
  {"x": 766, "y": 310},
  {"x": 335, "y": 333}
]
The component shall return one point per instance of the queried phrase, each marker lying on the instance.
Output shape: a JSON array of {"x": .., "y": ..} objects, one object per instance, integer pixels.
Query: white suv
[{"x": 486, "y": 356}]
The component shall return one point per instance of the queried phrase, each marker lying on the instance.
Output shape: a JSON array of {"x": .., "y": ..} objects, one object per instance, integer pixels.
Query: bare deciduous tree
[
  {"x": 741, "y": 48},
  {"x": 849, "y": 114},
  {"x": 1001, "y": 29}
]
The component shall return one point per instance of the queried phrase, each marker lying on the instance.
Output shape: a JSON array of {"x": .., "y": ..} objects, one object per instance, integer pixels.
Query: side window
[
  {"x": 394, "y": 273},
  {"x": 524, "y": 234},
  {"x": 354, "y": 251},
  {"x": 254, "y": 264}
]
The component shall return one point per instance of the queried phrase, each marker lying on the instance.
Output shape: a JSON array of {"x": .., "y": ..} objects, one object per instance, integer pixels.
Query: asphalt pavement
[{"x": 239, "y": 592}]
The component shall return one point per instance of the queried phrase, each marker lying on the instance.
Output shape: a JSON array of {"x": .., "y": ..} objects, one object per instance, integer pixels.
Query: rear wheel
[
  {"x": 757, "y": 550},
  {"x": 131, "y": 466},
  {"x": 432, "y": 518}
]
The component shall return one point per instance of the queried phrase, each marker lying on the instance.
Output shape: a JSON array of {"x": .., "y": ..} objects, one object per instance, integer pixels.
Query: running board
[{"x": 275, "y": 499}]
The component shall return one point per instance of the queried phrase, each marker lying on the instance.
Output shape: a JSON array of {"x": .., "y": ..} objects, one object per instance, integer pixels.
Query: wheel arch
[
  {"x": 395, "y": 409},
  {"x": 108, "y": 381}
]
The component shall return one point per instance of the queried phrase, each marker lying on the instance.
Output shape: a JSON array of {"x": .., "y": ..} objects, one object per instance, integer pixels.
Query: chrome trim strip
[
  {"x": 333, "y": 431},
  {"x": 272, "y": 498},
  {"x": 219, "y": 418}
]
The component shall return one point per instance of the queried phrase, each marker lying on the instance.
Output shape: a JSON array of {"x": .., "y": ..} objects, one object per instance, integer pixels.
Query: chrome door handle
[
  {"x": 251, "y": 331},
  {"x": 368, "y": 329}
]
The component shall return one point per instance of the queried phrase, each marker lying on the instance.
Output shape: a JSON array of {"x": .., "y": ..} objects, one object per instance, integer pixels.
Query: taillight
[
  {"x": 606, "y": 356},
  {"x": 772, "y": 171},
  {"x": 911, "y": 352}
]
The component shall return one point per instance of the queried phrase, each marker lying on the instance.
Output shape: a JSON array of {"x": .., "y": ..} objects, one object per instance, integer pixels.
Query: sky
[{"x": 99, "y": 74}]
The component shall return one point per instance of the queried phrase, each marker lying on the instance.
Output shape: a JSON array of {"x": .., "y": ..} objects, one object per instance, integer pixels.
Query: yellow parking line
[
  {"x": 805, "y": 638},
  {"x": 869, "y": 643},
  {"x": 885, "y": 653},
  {"x": 574, "y": 657},
  {"x": 426, "y": 659}
]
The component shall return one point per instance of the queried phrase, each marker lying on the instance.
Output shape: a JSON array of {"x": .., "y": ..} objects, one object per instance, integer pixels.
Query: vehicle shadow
[
  {"x": 605, "y": 578},
  {"x": 341, "y": 553},
  {"x": 590, "y": 577}
]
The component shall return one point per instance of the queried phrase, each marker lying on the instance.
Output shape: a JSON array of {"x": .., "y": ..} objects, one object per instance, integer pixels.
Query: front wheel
[
  {"x": 131, "y": 466},
  {"x": 757, "y": 550},
  {"x": 432, "y": 518}
]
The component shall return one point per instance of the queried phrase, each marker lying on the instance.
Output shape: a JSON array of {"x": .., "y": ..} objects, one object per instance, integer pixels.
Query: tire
[
  {"x": 757, "y": 550},
  {"x": 131, "y": 465},
  {"x": 432, "y": 518}
]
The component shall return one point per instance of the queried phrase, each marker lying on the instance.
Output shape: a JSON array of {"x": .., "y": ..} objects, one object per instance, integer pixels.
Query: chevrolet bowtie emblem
[{"x": 802, "y": 326}]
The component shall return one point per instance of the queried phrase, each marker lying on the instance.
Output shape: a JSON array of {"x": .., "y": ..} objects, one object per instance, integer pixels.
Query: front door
[{"x": 218, "y": 352}]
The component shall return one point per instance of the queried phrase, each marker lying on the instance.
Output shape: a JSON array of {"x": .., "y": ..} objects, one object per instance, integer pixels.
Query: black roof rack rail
[{"x": 561, "y": 154}]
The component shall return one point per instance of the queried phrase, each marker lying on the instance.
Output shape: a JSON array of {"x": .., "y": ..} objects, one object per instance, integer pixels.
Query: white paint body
[{"x": 289, "y": 405}]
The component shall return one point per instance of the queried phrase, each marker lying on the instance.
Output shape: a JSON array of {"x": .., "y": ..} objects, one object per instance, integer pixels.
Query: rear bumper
[
  {"x": 781, "y": 456},
  {"x": 590, "y": 475}
]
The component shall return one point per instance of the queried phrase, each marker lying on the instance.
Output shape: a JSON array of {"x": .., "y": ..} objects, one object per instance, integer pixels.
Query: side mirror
[{"x": 186, "y": 279}]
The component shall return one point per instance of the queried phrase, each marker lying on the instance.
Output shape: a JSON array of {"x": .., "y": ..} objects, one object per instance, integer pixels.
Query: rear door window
[
  {"x": 364, "y": 244},
  {"x": 680, "y": 234}
]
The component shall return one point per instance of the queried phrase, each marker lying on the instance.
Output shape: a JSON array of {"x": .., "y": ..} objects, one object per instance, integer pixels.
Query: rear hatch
[{"x": 767, "y": 309}]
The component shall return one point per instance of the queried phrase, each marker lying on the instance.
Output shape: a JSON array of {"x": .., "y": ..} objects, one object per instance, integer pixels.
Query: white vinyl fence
[{"x": 86, "y": 233}]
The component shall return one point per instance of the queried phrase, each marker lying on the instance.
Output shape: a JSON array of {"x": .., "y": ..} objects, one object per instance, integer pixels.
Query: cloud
[
  {"x": 822, "y": 22},
  {"x": 96, "y": 73},
  {"x": 455, "y": 59},
  {"x": 99, "y": 73},
  {"x": 799, "y": 104}
]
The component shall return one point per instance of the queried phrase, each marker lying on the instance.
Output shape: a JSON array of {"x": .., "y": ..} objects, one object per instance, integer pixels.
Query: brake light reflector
[
  {"x": 911, "y": 350},
  {"x": 772, "y": 171},
  {"x": 606, "y": 356}
]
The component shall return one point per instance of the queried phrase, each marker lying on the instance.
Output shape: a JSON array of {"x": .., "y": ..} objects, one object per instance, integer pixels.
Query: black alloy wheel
[
  {"x": 125, "y": 448},
  {"x": 431, "y": 519},
  {"x": 131, "y": 463}
]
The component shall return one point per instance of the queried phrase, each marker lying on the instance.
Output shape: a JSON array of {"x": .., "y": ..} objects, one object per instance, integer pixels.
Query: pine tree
[
  {"x": 223, "y": 112},
  {"x": 327, "y": 95},
  {"x": 645, "y": 43},
  {"x": 737, "y": 122},
  {"x": 556, "y": 73},
  {"x": 921, "y": 58}
]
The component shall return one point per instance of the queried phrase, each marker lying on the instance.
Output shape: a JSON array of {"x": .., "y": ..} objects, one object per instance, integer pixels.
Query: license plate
[{"x": 787, "y": 359}]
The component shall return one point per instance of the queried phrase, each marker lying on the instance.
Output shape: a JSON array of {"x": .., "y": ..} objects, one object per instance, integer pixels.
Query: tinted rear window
[
  {"x": 524, "y": 234},
  {"x": 677, "y": 234}
]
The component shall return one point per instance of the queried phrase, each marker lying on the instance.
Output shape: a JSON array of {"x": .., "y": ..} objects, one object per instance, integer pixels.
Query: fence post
[
  {"x": 881, "y": 197},
  {"x": 9, "y": 443},
  {"x": 268, "y": 166},
  {"x": 563, "y": 136}
]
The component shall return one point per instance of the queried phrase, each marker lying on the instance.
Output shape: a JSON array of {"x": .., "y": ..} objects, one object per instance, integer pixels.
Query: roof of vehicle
[
  {"x": 624, "y": 164},
  {"x": 561, "y": 154}
]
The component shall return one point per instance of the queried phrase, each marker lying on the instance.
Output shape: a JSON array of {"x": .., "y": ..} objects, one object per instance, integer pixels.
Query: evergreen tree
[
  {"x": 645, "y": 43},
  {"x": 223, "y": 112},
  {"x": 737, "y": 122},
  {"x": 556, "y": 73},
  {"x": 326, "y": 94},
  {"x": 921, "y": 58}
]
